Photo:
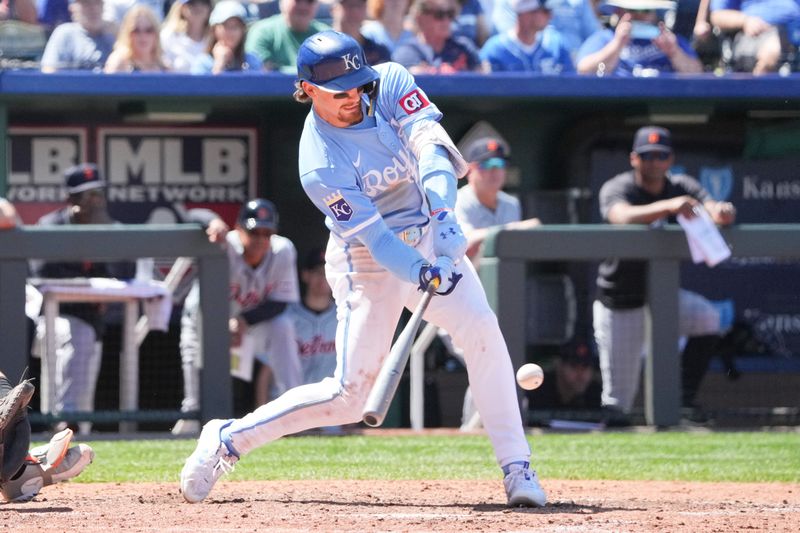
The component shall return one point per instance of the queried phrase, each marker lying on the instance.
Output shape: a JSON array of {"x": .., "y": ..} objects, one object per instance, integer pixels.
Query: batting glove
[
  {"x": 441, "y": 269},
  {"x": 448, "y": 239}
]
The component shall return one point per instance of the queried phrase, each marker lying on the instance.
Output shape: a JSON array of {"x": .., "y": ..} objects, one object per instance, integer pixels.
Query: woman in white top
[
  {"x": 137, "y": 48},
  {"x": 185, "y": 34}
]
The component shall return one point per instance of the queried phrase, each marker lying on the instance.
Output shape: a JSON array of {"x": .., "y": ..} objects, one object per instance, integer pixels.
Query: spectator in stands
[
  {"x": 21, "y": 10},
  {"x": 185, "y": 33},
  {"x": 638, "y": 44},
  {"x": 348, "y": 16},
  {"x": 650, "y": 194},
  {"x": 83, "y": 44},
  {"x": 388, "y": 24},
  {"x": 263, "y": 281},
  {"x": 79, "y": 349},
  {"x": 480, "y": 206},
  {"x": 138, "y": 48},
  {"x": 696, "y": 25},
  {"x": 434, "y": 50},
  {"x": 765, "y": 31},
  {"x": 576, "y": 20},
  {"x": 471, "y": 22},
  {"x": 114, "y": 10},
  {"x": 226, "y": 49},
  {"x": 276, "y": 40},
  {"x": 531, "y": 46},
  {"x": 571, "y": 383}
]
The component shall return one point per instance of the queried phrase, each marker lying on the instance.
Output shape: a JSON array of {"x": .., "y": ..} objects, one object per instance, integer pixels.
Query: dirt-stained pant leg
[
  {"x": 466, "y": 315},
  {"x": 369, "y": 301}
]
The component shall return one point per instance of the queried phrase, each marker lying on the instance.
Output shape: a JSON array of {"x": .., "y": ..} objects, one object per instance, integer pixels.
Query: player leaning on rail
[{"x": 376, "y": 162}]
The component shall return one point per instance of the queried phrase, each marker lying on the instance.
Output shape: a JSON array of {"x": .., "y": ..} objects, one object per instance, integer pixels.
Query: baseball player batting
[{"x": 374, "y": 159}]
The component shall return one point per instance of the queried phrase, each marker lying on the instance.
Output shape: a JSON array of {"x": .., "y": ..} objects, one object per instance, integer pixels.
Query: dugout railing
[
  {"x": 508, "y": 252},
  {"x": 114, "y": 243}
]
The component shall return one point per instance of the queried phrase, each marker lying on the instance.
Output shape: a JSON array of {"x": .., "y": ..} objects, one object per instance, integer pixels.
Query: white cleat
[
  {"x": 209, "y": 461},
  {"x": 522, "y": 487}
]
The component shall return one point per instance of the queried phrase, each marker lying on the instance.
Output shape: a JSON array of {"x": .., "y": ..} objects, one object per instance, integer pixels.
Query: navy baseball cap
[
  {"x": 334, "y": 62},
  {"x": 486, "y": 149},
  {"x": 258, "y": 213},
  {"x": 652, "y": 139},
  {"x": 577, "y": 352},
  {"x": 83, "y": 177}
]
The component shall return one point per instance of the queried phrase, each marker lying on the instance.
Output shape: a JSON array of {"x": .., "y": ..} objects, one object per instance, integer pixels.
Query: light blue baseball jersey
[{"x": 366, "y": 172}]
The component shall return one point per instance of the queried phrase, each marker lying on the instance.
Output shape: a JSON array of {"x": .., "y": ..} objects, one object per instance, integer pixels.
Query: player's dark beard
[{"x": 354, "y": 117}]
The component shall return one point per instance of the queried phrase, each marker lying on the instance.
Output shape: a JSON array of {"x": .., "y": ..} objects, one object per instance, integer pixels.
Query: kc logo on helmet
[
  {"x": 352, "y": 62},
  {"x": 413, "y": 101}
]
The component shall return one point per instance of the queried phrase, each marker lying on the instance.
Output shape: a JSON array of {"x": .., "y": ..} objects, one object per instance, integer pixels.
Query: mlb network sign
[{"x": 145, "y": 167}]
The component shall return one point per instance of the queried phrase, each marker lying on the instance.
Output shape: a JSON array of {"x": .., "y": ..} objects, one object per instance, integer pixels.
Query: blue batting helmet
[
  {"x": 258, "y": 213},
  {"x": 333, "y": 61}
]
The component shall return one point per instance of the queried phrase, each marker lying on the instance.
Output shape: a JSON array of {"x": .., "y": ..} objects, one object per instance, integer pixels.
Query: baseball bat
[{"x": 380, "y": 397}]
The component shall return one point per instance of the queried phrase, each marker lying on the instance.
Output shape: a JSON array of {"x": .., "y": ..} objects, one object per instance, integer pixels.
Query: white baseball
[{"x": 530, "y": 376}]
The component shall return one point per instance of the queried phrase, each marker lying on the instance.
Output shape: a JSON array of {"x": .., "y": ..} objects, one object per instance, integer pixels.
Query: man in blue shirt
[
  {"x": 531, "y": 45},
  {"x": 638, "y": 45}
]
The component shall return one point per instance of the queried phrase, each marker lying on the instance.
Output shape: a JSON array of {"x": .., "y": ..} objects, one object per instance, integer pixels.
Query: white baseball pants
[
  {"x": 369, "y": 302},
  {"x": 620, "y": 337}
]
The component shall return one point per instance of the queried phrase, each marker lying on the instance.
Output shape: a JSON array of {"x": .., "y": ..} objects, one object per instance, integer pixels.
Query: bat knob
[{"x": 371, "y": 421}]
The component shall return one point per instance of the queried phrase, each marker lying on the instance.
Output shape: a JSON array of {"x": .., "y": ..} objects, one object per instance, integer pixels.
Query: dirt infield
[{"x": 410, "y": 506}]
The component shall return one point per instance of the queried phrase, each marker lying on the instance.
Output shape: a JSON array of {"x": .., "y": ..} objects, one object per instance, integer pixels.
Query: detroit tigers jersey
[
  {"x": 316, "y": 341},
  {"x": 359, "y": 174},
  {"x": 274, "y": 278}
]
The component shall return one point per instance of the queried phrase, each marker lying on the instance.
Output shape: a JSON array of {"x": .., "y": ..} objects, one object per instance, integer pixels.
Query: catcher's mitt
[{"x": 15, "y": 430}]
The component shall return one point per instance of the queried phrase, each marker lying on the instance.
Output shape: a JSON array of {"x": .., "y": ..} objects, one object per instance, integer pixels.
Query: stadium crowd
[{"x": 550, "y": 37}]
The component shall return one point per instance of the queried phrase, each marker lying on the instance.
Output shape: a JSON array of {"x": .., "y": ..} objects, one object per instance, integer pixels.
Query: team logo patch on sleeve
[
  {"x": 339, "y": 207},
  {"x": 414, "y": 101}
]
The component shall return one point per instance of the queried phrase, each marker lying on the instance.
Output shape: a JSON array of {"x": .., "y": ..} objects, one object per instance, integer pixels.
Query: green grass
[{"x": 738, "y": 456}]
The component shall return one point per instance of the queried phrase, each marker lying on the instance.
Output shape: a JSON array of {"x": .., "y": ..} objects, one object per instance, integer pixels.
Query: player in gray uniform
[
  {"x": 315, "y": 321},
  {"x": 376, "y": 161},
  {"x": 263, "y": 281}
]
